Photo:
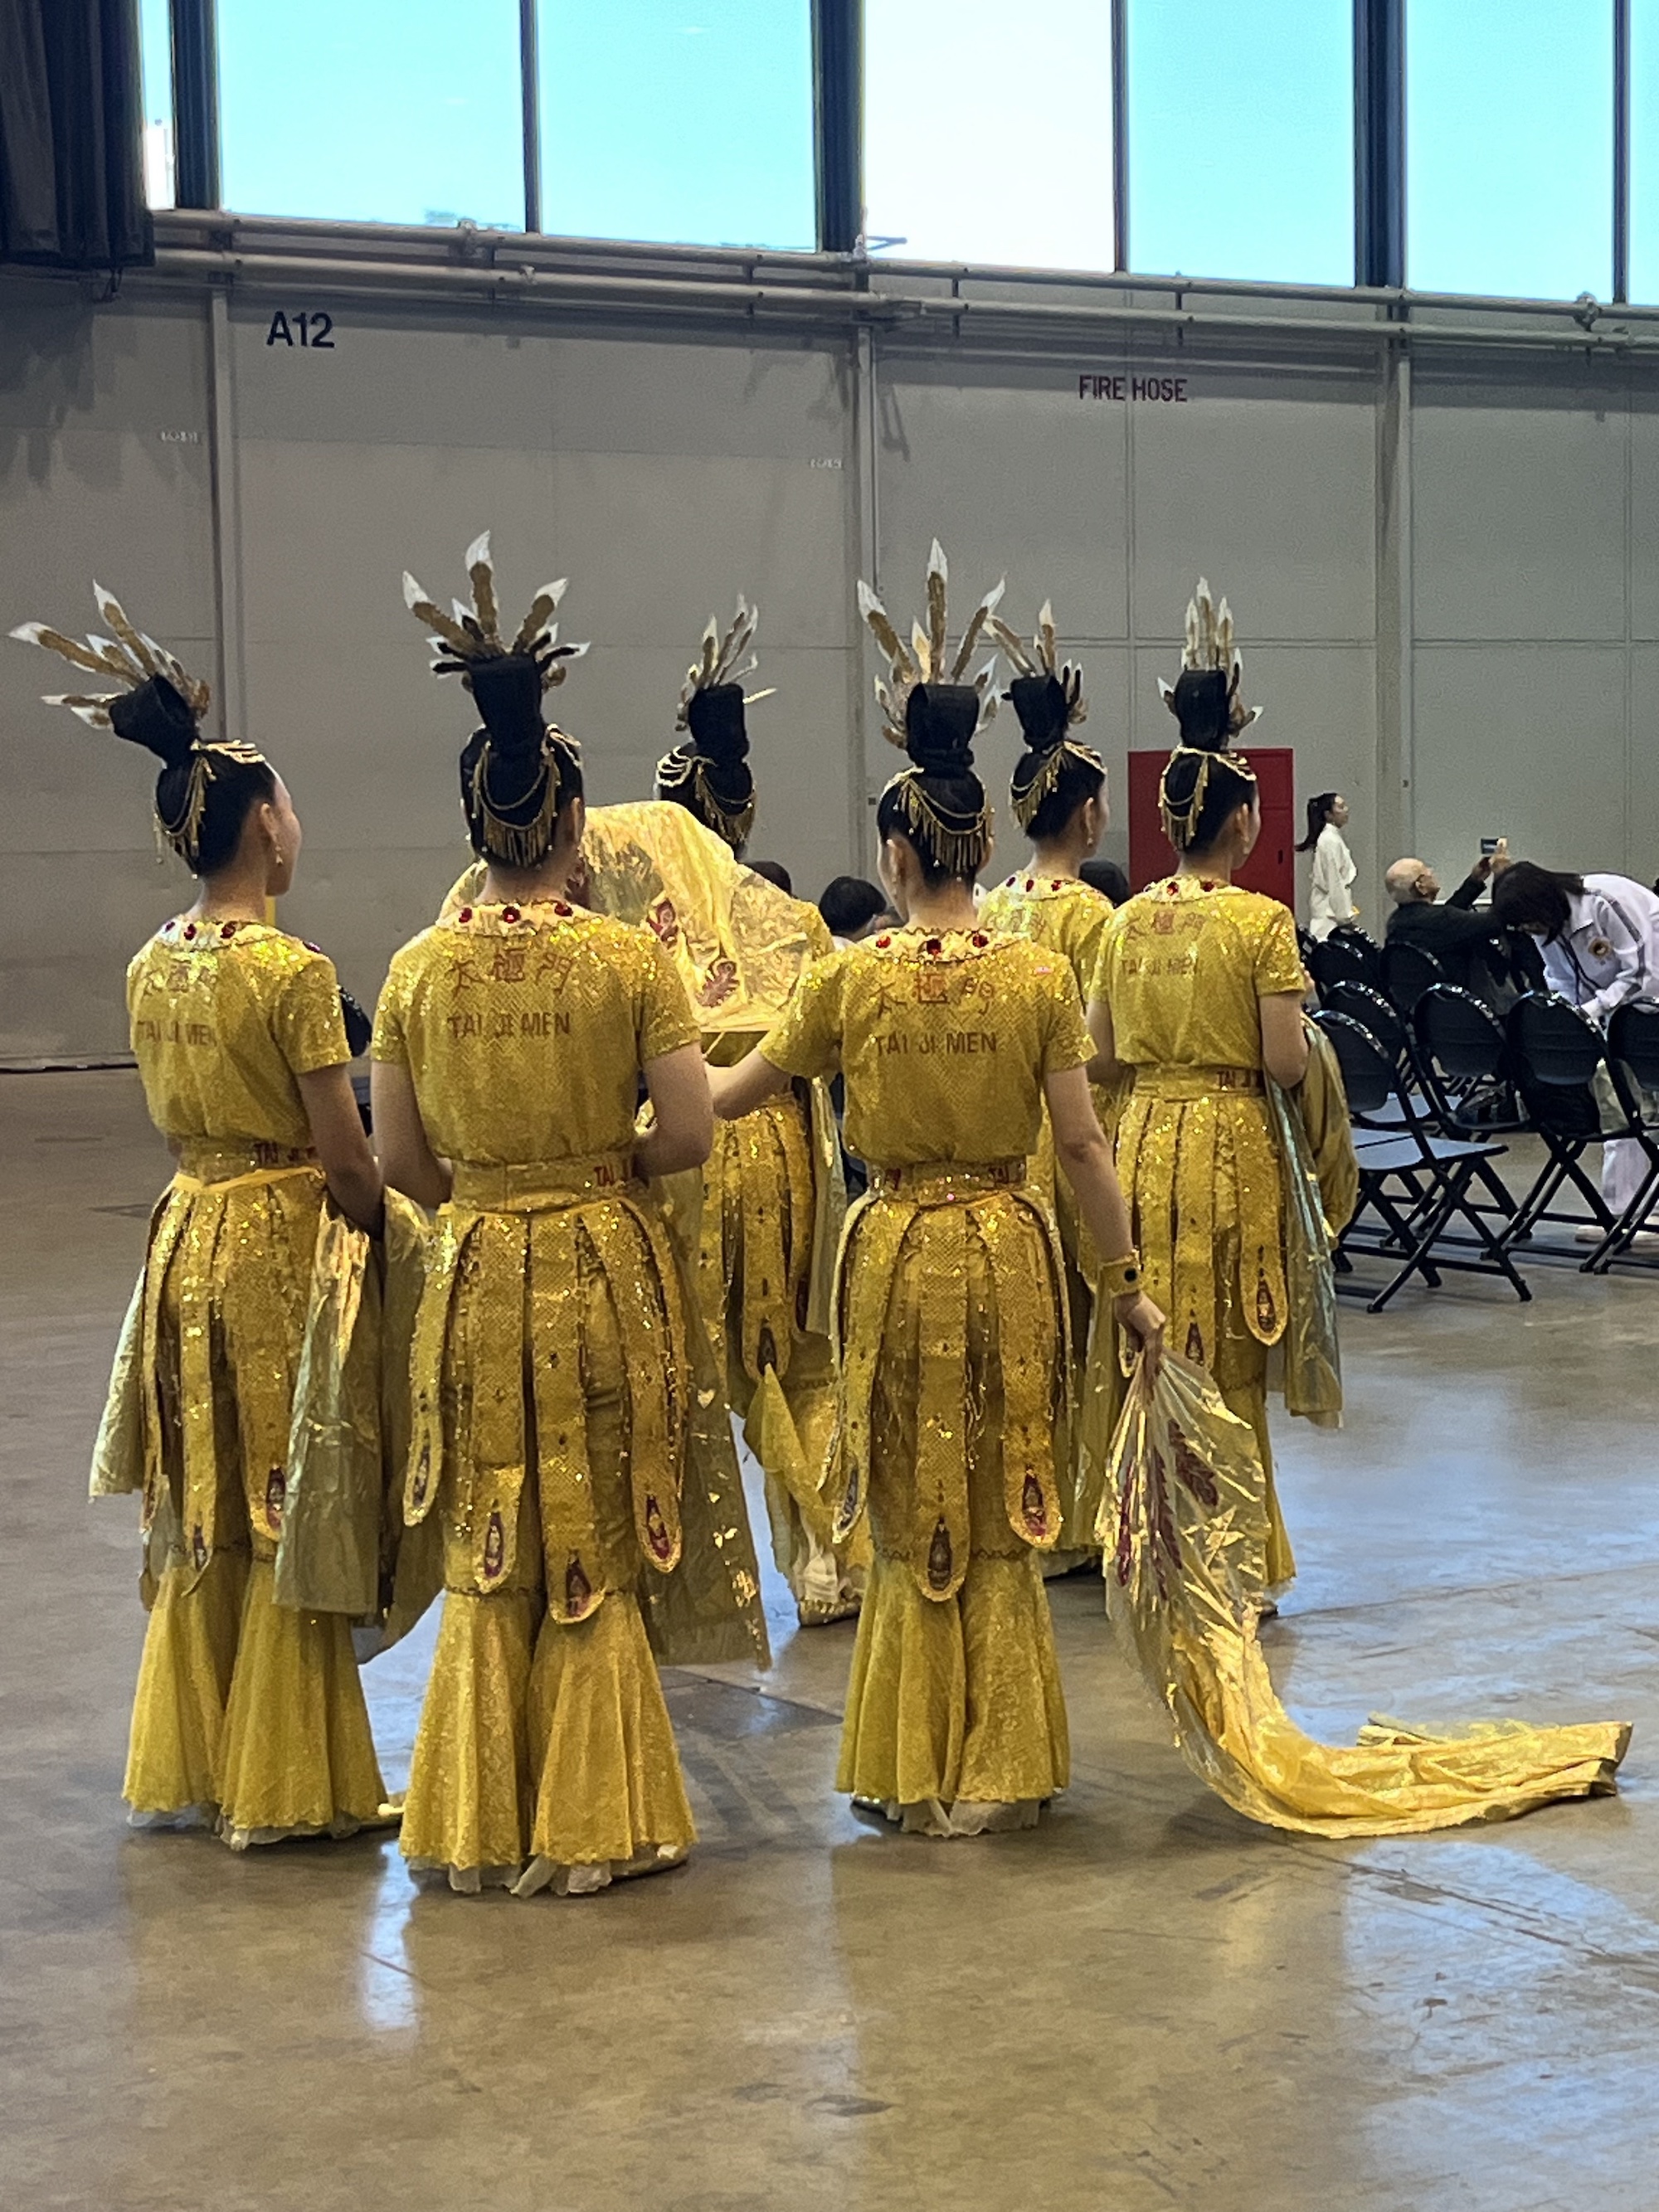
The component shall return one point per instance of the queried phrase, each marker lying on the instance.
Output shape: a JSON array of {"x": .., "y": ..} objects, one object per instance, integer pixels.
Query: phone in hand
[{"x": 1489, "y": 846}]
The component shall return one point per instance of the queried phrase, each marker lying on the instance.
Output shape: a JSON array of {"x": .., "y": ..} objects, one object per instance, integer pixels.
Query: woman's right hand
[{"x": 1145, "y": 1323}]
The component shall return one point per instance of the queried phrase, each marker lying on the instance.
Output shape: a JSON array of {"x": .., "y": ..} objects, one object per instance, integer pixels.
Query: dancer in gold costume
[
  {"x": 951, "y": 1320},
  {"x": 1197, "y": 996},
  {"x": 552, "y": 1377},
  {"x": 249, "y": 1716},
  {"x": 1059, "y": 797},
  {"x": 772, "y": 1199}
]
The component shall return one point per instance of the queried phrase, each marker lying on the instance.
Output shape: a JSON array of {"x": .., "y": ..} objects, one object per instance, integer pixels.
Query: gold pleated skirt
[
  {"x": 544, "y": 1757},
  {"x": 248, "y": 1715},
  {"x": 956, "y": 1720}
]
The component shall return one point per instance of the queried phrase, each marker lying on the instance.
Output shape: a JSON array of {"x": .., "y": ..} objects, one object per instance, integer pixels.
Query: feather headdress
[
  {"x": 1063, "y": 707},
  {"x": 720, "y": 660},
  {"x": 1211, "y": 711},
  {"x": 1210, "y": 645},
  {"x": 156, "y": 703},
  {"x": 517, "y": 744},
  {"x": 927, "y": 658},
  {"x": 469, "y": 635},
  {"x": 709, "y": 774}
]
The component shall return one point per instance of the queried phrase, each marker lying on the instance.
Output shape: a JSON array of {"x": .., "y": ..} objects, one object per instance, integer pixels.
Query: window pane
[
  {"x": 156, "y": 56},
  {"x": 1509, "y": 147},
  {"x": 373, "y": 111},
  {"x": 688, "y": 122},
  {"x": 1241, "y": 139},
  {"x": 1644, "y": 151},
  {"x": 1015, "y": 165}
]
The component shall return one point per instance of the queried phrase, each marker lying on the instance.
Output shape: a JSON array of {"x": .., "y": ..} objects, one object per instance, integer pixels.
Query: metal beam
[
  {"x": 1621, "y": 149},
  {"x": 1379, "y": 142},
  {"x": 1121, "y": 135},
  {"x": 838, "y": 122},
  {"x": 195, "y": 105},
  {"x": 530, "y": 108}
]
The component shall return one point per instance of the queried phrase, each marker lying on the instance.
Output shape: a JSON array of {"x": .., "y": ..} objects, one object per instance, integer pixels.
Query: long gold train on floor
[{"x": 1184, "y": 1526}]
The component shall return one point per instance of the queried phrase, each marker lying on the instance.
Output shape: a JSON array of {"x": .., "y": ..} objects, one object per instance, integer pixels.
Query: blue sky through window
[{"x": 1509, "y": 147}]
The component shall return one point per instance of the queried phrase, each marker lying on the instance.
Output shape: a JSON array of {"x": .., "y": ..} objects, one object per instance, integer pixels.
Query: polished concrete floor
[{"x": 1146, "y": 2003}]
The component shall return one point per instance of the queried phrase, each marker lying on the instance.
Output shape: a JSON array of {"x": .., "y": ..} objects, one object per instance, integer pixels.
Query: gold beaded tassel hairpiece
[
  {"x": 135, "y": 659},
  {"x": 957, "y": 842},
  {"x": 472, "y": 633},
  {"x": 1041, "y": 658},
  {"x": 1209, "y": 645}
]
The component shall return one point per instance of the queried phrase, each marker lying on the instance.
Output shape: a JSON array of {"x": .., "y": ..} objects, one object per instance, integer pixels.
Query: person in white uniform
[
  {"x": 1330, "y": 889},
  {"x": 1599, "y": 936}
]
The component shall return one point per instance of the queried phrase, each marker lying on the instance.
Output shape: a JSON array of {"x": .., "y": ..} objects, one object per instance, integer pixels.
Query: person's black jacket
[{"x": 1457, "y": 937}]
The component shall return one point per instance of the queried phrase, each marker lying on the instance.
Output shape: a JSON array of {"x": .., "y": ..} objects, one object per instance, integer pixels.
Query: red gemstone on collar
[
  {"x": 1055, "y": 884},
  {"x": 1031, "y": 883},
  {"x": 980, "y": 940},
  {"x": 190, "y": 929},
  {"x": 466, "y": 915},
  {"x": 510, "y": 913},
  {"x": 227, "y": 929},
  {"x": 1208, "y": 884},
  {"x": 883, "y": 943},
  {"x": 563, "y": 911},
  {"x": 932, "y": 945}
]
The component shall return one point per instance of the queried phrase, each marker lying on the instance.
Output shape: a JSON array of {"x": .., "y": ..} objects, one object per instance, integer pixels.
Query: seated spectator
[
  {"x": 851, "y": 908},
  {"x": 1106, "y": 878},
  {"x": 1464, "y": 943}
]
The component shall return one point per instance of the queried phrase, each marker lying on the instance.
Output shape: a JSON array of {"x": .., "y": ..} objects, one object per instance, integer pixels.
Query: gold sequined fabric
[
  {"x": 1184, "y": 1526},
  {"x": 248, "y": 1711},
  {"x": 1063, "y": 914},
  {"x": 950, "y": 1329},
  {"x": 554, "y": 1387}
]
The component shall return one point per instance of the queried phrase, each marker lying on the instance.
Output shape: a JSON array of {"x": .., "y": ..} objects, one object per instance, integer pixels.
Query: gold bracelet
[{"x": 1120, "y": 1279}]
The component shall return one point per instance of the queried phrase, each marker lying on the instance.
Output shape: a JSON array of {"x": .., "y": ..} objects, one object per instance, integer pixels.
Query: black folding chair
[
  {"x": 1372, "y": 1011},
  {"x": 1554, "y": 1054},
  {"x": 1463, "y": 1059},
  {"x": 1305, "y": 942},
  {"x": 1416, "y": 1184},
  {"x": 1408, "y": 972},
  {"x": 1632, "y": 1049},
  {"x": 1341, "y": 959}
]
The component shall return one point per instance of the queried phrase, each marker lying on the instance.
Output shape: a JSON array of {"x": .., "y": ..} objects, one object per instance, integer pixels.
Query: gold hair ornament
[
  {"x": 683, "y": 771},
  {"x": 959, "y": 844},
  {"x": 134, "y": 658},
  {"x": 718, "y": 659},
  {"x": 1041, "y": 658},
  {"x": 1209, "y": 645},
  {"x": 471, "y": 635}
]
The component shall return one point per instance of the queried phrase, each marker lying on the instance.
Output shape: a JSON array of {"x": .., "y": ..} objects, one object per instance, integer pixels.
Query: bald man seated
[{"x": 1464, "y": 944}]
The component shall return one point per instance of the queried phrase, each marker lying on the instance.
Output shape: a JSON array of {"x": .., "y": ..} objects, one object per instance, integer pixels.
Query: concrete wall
[{"x": 1473, "y": 545}]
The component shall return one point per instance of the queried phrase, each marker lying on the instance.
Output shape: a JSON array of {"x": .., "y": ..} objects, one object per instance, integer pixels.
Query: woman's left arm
[
  {"x": 739, "y": 1090},
  {"x": 411, "y": 1165},
  {"x": 1628, "y": 945}
]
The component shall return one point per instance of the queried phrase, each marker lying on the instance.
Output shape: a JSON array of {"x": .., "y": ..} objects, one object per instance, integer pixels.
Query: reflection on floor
[{"x": 1146, "y": 2003}]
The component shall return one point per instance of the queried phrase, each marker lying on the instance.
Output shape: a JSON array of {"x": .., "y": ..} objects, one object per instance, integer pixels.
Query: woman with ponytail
[
  {"x": 1330, "y": 883},
  {"x": 554, "y": 1386},
  {"x": 952, "y": 1313},
  {"x": 249, "y": 1715},
  {"x": 1198, "y": 997}
]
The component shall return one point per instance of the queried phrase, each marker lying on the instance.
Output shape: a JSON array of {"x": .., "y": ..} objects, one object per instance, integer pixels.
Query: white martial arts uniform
[
  {"x": 1330, "y": 887},
  {"x": 1608, "y": 954}
]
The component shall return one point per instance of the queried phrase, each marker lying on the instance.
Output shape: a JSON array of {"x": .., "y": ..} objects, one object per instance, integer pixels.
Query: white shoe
[{"x": 1589, "y": 1234}]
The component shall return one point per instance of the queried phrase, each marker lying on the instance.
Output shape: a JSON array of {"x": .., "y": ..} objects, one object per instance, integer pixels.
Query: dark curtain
[{"x": 71, "y": 135}]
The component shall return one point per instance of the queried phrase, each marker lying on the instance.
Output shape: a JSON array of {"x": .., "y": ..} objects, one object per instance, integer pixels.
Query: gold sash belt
[
  {"x": 939, "y": 1182},
  {"x": 542, "y": 1186},
  {"x": 205, "y": 1163},
  {"x": 1195, "y": 1082}
]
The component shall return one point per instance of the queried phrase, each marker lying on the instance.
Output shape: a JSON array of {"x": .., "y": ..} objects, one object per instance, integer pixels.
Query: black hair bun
[
  {"x": 939, "y": 722},
  {"x": 508, "y": 690},
  {"x": 1202, "y": 705},
  {"x": 1043, "y": 709},
  {"x": 158, "y": 717},
  {"x": 714, "y": 716}
]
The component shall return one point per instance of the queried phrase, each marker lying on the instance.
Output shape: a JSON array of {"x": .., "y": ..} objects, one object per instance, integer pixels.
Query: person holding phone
[{"x": 1466, "y": 944}]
